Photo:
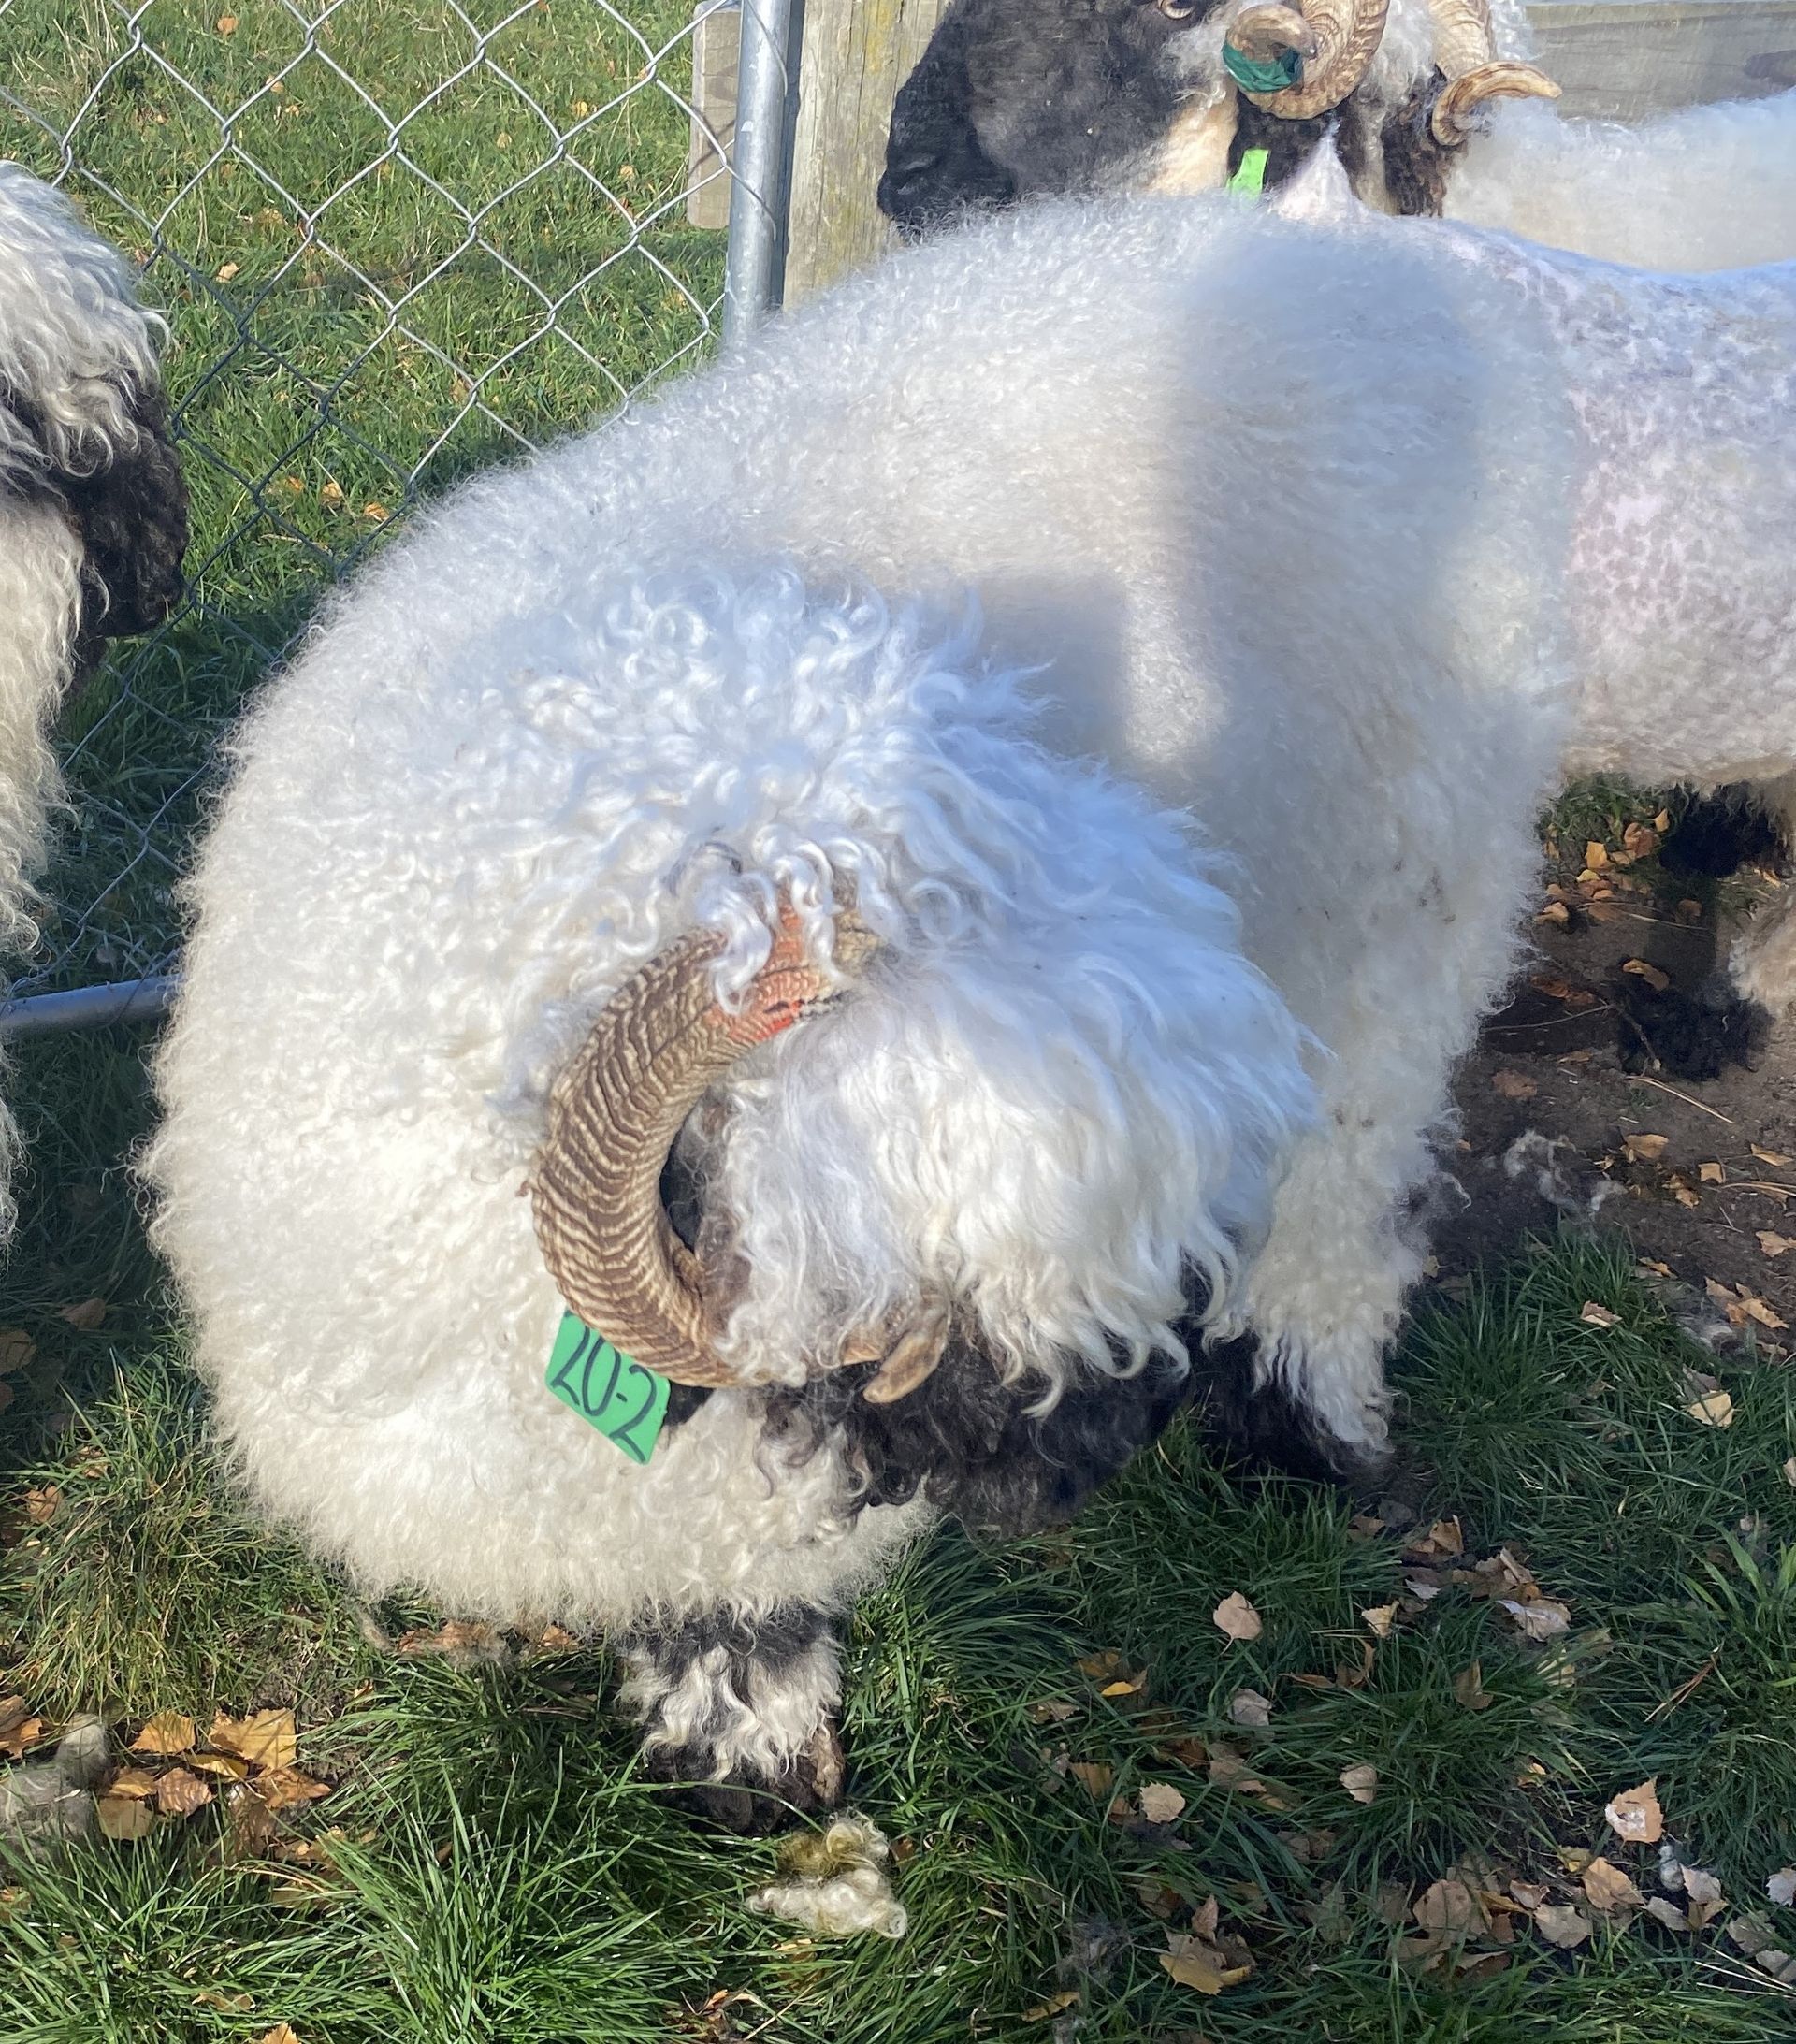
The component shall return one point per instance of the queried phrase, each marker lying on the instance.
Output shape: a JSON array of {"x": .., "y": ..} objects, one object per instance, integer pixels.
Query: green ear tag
[
  {"x": 1280, "y": 75},
  {"x": 1251, "y": 176},
  {"x": 610, "y": 1390}
]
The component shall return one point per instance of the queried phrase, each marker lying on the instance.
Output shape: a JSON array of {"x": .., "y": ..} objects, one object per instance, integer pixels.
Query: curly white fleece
[{"x": 1276, "y": 529}]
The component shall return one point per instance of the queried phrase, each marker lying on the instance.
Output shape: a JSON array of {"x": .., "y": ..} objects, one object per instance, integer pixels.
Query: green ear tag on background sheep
[
  {"x": 612, "y": 1391},
  {"x": 1250, "y": 177}
]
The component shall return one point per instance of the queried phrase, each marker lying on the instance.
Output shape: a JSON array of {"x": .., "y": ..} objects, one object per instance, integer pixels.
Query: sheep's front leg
[
  {"x": 1762, "y": 957},
  {"x": 743, "y": 1705}
]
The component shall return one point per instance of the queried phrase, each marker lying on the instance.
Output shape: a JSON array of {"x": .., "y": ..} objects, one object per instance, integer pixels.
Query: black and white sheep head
[
  {"x": 1015, "y": 99},
  {"x": 1033, "y": 1163},
  {"x": 83, "y": 419}
]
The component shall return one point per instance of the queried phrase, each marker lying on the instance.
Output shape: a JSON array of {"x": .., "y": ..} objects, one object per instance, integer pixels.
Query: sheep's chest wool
[{"x": 1154, "y": 619}]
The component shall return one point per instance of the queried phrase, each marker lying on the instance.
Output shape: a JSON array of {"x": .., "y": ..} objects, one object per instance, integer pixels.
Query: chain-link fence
[{"x": 395, "y": 240}]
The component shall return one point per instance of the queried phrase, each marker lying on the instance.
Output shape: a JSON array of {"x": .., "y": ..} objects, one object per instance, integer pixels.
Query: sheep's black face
[
  {"x": 1015, "y": 98},
  {"x": 133, "y": 518}
]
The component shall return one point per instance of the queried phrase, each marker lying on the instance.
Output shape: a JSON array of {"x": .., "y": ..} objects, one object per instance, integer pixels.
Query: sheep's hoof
[{"x": 748, "y": 1801}]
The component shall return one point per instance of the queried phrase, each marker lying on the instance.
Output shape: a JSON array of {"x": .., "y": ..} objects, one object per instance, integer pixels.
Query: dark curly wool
[
  {"x": 1718, "y": 834},
  {"x": 1415, "y": 165},
  {"x": 132, "y": 517},
  {"x": 1691, "y": 1035},
  {"x": 970, "y": 1443},
  {"x": 1013, "y": 98}
]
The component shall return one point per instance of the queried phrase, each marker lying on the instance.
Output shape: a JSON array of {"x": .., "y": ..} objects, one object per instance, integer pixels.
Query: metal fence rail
[{"x": 396, "y": 240}]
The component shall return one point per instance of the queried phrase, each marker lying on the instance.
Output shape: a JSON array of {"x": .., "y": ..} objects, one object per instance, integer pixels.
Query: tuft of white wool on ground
[
  {"x": 837, "y": 1884},
  {"x": 1168, "y": 619}
]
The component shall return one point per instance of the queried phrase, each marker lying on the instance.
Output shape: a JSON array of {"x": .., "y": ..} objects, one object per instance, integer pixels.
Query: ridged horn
[
  {"x": 659, "y": 1043},
  {"x": 1338, "y": 39},
  {"x": 1466, "y": 55}
]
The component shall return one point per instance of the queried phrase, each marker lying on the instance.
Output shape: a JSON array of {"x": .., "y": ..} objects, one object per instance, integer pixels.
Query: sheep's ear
[{"x": 133, "y": 520}]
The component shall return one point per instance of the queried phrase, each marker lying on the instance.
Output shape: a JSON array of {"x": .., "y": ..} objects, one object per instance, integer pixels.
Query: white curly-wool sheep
[
  {"x": 93, "y": 512},
  {"x": 1165, "y": 619}
]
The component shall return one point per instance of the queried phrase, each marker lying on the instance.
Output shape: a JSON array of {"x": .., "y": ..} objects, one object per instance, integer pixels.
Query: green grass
[
  {"x": 490, "y": 1864},
  {"x": 498, "y": 1869}
]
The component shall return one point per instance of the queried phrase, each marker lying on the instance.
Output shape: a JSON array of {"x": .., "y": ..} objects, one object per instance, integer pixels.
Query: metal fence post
[{"x": 767, "y": 108}]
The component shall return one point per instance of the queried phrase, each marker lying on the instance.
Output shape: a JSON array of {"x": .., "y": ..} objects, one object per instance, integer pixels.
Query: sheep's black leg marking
[
  {"x": 1691, "y": 1035},
  {"x": 1416, "y": 166},
  {"x": 1260, "y": 1428},
  {"x": 1719, "y": 834},
  {"x": 743, "y": 1710}
]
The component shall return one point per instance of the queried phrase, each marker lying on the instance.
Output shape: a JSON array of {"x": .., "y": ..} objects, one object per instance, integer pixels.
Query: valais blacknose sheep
[
  {"x": 92, "y": 510},
  {"x": 1096, "y": 677},
  {"x": 1424, "y": 102}
]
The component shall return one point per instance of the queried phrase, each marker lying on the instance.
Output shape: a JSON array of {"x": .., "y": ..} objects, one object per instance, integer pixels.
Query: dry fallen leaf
[
  {"x": 1596, "y": 855},
  {"x": 1052, "y": 2007},
  {"x": 1360, "y": 1782},
  {"x": 1711, "y": 1173},
  {"x": 180, "y": 1793},
  {"x": 1645, "y": 1149},
  {"x": 1194, "y": 1963},
  {"x": 1781, "y": 1886},
  {"x": 1658, "y": 981},
  {"x": 1701, "y": 1886},
  {"x": 1713, "y": 1409},
  {"x": 137, "y": 1781},
  {"x": 1237, "y": 1617},
  {"x": 1635, "y": 1815},
  {"x": 17, "y": 1349},
  {"x": 1769, "y": 1156},
  {"x": 1775, "y": 1245},
  {"x": 280, "y": 1787},
  {"x": 1789, "y": 1470},
  {"x": 1553, "y": 912},
  {"x": 1469, "y": 1689},
  {"x": 1638, "y": 842},
  {"x": 40, "y": 1505},
  {"x": 285, "y": 2033},
  {"x": 1249, "y": 1708},
  {"x": 124, "y": 1819},
  {"x": 85, "y": 1317},
  {"x": 167, "y": 1732},
  {"x": 228, "y": 24},
  {"x": 1594, "y": 1315},
  {"x": 1095, "y": 1777},
  {"x": 1444, "y": 1537},
  {"x": 1512, "y": 1085},
  {"x": 1608, "y": 1888},
  {"x": 1541, "y": 1618},
  {"x": 227, "y": 1766},
  {"x": 1667, "y": 1913},
  {"x": 1161, "y": 1803},
  {"x": 265, "y": 1739},
  {"x": 1379, "y": 1618},
  {"x": 1450, "y": 1905},
  {"x": 1563, "y": 1926},
  {"x": 225, "y": 271}
]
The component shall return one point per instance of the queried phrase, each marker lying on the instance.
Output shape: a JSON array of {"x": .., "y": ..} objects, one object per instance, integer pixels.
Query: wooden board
[
  {"x": 717, "y": 43},
  {"x": 1626, "y": 59},
  {"x": 857, "y": 54}
]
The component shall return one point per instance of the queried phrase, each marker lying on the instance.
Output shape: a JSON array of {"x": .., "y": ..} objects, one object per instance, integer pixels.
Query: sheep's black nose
[{"x": 909, "y": 187}]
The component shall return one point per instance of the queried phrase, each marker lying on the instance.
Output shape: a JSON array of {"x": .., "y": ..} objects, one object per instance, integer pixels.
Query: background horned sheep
[
  {"x": 92, "y": 509},
  {"x": 1096, "y": 675},
  {"x": 1019, "y": 98}
]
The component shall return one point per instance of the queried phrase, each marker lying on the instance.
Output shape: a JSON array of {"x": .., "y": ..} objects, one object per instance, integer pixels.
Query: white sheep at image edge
[
  {"x": 1095, "y": 677},
  {"x": 92, "y": 508}
]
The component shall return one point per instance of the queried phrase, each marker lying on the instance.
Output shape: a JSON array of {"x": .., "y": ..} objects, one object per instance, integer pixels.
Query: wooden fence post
[{"x": 856, "y": 55}]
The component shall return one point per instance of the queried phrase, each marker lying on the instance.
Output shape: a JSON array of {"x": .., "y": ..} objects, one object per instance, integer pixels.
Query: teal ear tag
[
  {"x": 1284, "y": 72},
  {"x": 610, "y": 1390}
]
